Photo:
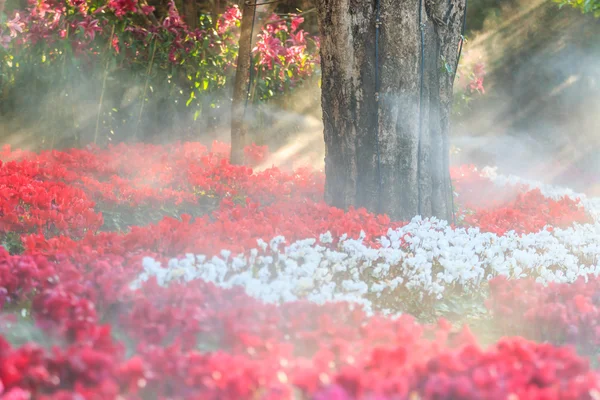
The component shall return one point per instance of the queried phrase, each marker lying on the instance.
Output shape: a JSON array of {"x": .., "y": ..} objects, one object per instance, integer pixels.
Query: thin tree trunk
[
  {"x": 240, "y": 88},
  {"x": 410, "y": 176},
  {"x": 239, "y": 127},
  {"x": 190, "y": 13}
]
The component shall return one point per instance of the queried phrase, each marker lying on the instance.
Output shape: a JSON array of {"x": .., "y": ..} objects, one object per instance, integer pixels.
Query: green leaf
[{"x": 192, "y": 97}]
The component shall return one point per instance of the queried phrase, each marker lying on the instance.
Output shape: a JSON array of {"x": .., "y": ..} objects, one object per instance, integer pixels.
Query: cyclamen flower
[
  {"x": 333, "y": 392},
  {"x": 16, "y": 394}
]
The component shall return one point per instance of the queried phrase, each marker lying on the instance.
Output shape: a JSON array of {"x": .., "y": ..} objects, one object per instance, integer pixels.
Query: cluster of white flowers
[{"x": 424, "y": 257}]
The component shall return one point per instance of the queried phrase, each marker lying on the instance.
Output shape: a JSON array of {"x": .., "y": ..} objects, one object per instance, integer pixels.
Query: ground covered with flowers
[{"x": 150, "y": 272}]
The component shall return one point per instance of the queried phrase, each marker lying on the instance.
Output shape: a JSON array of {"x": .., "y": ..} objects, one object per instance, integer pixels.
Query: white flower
[
  {"x": 433, "y": 256},
  {"x": 262, "y": 244},
  {"x": 326, "y": 238}
]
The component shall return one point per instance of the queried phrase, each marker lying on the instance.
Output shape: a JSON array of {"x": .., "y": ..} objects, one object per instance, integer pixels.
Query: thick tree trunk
[{"x": 409, "y": 126}]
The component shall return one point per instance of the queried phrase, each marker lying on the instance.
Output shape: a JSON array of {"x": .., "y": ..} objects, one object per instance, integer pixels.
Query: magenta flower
[
  {"x": 122, "y": 7},
  {"x": 90, "y": 27}
]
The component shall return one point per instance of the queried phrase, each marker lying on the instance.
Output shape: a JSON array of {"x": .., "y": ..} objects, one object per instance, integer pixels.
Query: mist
[{"x": 538, "y": 119}]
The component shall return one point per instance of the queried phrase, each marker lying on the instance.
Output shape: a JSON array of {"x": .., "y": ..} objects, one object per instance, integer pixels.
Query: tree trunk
[
  {"x": 409, "y": 126},
  {"x": 239, "y": 128},
  {"x": 240, "y": 87},
  {"x": 190, "y": 13}
]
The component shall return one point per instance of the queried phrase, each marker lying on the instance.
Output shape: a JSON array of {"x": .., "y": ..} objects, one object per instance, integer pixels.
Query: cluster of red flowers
[
  {"x": 199, "y": 341},
  {"x": 54, "y": 194},
  {"x": 558, "y": 313},
  {"x": 500, "y": 209},
  {"x": 31, "y": 204},
  {"x": 196, "y": 340}
]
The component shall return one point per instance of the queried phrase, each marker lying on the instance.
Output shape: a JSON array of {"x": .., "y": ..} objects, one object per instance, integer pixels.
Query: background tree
[
  {"x": 252, "y": 16},
  {"x": 389, "y": 155}
]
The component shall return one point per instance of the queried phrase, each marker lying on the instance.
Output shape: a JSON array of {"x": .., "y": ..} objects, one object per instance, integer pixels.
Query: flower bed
[
  {"x": 273, "y": 294},
  {"x": 558, "y": 313}
]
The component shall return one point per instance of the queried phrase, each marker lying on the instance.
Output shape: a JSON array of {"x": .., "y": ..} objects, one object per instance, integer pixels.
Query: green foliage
[
  {"x": 585, "y": 6},
  {"x": 12, "y": 242},
  {"x": 22, "y": 329},
  {"x": 123, "y": 218},
  {"x": 89, "y": 66}
]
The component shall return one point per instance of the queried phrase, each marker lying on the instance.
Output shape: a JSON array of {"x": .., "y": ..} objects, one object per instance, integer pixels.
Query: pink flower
[
  {"x": 269, "y": 49},
  {"x": 14, "y": 25},
  {"x": 296, "y": 22},
  {"x": 230, "y": 18},
  {"x": 476, "y": 85},
  {"x": 147, "y": 10},
  {"x": 41, "y": 9},
  {"x": 115, "y": 44},
  {"x": 297, "y": 39}
]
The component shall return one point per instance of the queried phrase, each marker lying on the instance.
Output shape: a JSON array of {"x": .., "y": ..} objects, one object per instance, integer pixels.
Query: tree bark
[
  {"x": 240, "y": 86},
  {"x": 190, "y": 13},
  {"x": 242, "y": 76},
  {"x": 411, "y": 174}
]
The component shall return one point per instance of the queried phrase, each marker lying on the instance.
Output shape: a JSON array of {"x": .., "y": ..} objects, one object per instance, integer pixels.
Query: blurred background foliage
[
  {"x": 75, "y": 72},
  {"x": 81, "y": 71}
]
